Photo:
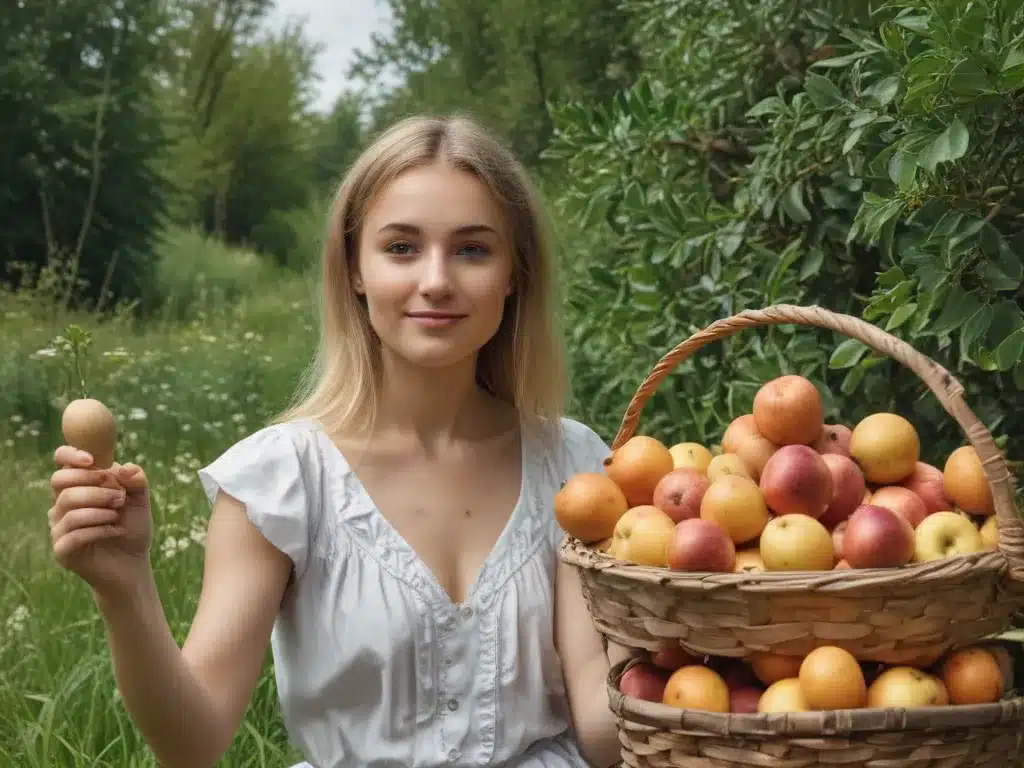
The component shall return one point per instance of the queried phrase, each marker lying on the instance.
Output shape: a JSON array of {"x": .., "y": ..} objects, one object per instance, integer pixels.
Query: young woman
[{"x": 392, "y": 534}]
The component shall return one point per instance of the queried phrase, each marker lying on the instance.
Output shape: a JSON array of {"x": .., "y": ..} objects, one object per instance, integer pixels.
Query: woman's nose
[{"x": 436, "y": 278}]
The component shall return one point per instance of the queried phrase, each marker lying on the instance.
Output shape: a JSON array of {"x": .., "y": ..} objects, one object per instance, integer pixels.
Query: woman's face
[{"x": 435, "y": 265}]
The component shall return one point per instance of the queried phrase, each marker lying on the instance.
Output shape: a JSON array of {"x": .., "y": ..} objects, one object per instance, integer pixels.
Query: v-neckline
[{"x": 497, "y": 549}]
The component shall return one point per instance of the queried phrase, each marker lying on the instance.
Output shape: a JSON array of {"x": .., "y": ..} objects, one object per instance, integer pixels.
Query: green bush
[
  {"x": 195, "y": 272},
  {"x": 865, "y": 160}
]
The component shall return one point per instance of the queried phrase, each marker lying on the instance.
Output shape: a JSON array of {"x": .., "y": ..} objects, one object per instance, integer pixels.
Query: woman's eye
[
  {"x": 474, "y": 249},
  {"x": 399, "y": 249}
]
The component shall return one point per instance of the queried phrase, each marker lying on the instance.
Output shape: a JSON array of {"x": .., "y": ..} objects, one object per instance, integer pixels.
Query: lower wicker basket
[{"x": 657, "y": 736}]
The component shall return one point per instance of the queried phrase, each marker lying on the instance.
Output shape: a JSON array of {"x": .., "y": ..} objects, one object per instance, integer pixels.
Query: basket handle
[{"x": 941, "y": 382}]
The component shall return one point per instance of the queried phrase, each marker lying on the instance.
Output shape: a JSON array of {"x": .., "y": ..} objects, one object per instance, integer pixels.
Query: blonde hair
[{"x": 523, "y": 364}]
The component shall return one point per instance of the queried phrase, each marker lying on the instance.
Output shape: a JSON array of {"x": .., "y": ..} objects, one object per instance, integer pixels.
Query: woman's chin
[{"x": 434, "y": 356}]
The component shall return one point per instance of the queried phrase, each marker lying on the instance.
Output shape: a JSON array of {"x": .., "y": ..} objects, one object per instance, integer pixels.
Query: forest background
[{"x": 164, "y": 181}]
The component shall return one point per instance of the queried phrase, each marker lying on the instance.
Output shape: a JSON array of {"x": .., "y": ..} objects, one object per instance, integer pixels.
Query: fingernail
[
  {"x": 83, "y": 456},
  {"x": 119, "y": 499}
]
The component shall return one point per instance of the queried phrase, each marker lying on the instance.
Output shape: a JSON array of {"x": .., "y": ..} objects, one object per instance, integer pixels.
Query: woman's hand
[{"x": 100, "y": 522}]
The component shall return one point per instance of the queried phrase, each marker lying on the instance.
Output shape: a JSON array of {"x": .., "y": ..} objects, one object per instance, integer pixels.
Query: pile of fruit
[
  {"x": 828, "y": 678},
  {"x": 785, "y": 492}
]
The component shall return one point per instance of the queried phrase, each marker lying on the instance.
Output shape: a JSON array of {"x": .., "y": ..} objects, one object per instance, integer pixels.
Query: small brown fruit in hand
[{"x": 89, "y": 426}]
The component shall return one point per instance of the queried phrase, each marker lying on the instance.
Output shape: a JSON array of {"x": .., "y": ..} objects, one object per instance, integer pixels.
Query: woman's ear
[{"x": 357, "y": 283}]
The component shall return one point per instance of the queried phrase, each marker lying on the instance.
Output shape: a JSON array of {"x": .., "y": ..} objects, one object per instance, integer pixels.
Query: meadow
[{"x": 216, "y": 364}]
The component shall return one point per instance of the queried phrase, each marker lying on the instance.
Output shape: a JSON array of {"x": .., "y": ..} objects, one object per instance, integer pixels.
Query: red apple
[
  {"x": 744, "y": 700},
  {"x": 679, "y": 493},
  {"x": 928, "y": 482},
  {"x": 673, "y": 658},
  {"x": 877, "y": 537},
  {"x": 644, "y": 681},
  {"x": 701, "y": 545},
  {"x": 848, "y": 489},
  {"x": 797, "y": 481},
  {"x": 834, "y": 439},
  {"x": 837, "y": 538},
  {"x": 903, "y": 501}
]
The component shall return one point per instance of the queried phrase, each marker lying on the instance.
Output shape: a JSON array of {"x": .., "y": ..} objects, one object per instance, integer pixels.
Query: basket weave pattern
[
  {"x": 890, "y": 615},
  {"x": 980, "y": 736}
]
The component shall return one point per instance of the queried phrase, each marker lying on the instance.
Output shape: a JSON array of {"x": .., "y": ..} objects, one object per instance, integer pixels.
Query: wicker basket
[
  {"x": 657, "y": 736},
  {"x": 893, "y": 615}
]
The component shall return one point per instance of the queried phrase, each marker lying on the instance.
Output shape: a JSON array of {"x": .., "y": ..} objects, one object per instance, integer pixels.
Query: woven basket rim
[
  {"x": 943, "y": 385},
  {"x": 577, "y": 553},
  {"x": 833, "y": 723}
]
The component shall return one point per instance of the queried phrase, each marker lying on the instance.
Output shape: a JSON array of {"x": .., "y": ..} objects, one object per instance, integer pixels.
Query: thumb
[{"x": 132, "y": 477}]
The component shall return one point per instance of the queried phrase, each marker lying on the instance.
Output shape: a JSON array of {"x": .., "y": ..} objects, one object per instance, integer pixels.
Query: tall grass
[{"x": 223, "y": 357}]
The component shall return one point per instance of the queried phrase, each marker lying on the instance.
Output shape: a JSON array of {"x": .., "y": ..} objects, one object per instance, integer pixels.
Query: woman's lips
[{"x": 434, "y": 319}]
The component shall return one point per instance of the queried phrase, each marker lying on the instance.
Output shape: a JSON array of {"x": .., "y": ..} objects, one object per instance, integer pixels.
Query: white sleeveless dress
[{"x": 375, "y": 666}]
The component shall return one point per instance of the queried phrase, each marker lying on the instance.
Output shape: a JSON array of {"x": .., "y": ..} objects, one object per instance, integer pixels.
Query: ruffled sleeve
[
  {"x": 268, "y": 472},
  {"x": 585, "y": 451}
]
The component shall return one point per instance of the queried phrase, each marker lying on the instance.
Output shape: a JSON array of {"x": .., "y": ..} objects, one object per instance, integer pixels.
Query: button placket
[{"x": 450, "y": 696}]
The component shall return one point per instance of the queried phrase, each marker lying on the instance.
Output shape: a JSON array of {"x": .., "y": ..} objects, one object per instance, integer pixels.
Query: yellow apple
[
  {"x": 783, "y": 696},
  {"x": 906, "y": 687},
  {"x": 691, "y": 456},
  {"x": 990, "y": 533},
  {"x": 642, "y": 536},
  {"x": 796, "y": 543},
  {"x": 945, "y": 534},
  {"x": 727, "y": 464}
]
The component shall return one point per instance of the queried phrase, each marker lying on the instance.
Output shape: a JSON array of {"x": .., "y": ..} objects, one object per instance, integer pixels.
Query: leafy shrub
[{"x": 863, "y": 159}]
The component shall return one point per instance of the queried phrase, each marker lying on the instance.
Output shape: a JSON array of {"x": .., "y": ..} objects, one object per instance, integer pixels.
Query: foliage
[
  {"x": 503, "y": 60},
  {"x": 181, "y": 394},
  {"x": 859, "y": 159},
  {"x": 124, "y": 117},
  {"x": 81, "y": 136}
]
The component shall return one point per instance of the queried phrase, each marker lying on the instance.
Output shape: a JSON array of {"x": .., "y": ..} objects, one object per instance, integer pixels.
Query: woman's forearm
[
  {"x": 170, "y": 707},
  {"x": 594, "y": 721}
]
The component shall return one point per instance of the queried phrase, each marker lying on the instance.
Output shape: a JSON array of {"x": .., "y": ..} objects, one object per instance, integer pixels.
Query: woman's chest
[{"x": 450, "y": 515}]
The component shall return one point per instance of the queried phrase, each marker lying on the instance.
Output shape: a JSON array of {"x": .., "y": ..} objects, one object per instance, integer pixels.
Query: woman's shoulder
[
  {"x": 272, "y": 453},
  {"x": 274, "y": 438},
  {"x": 575, "y": 446},
  {"x": 273, "y": 473}
]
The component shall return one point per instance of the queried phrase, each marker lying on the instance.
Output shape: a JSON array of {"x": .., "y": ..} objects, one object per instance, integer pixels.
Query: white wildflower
[{"x": 17, "y": 618}]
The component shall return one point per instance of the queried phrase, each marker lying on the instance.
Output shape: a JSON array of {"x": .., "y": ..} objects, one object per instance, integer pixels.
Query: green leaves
[
  {"x": 847, "y": 354},
  {"x": 1010, "y": 350},
  {"x": 948, "y": 146},
  {"x": 822, "y": 91},
  {"x": 866, "y": 181}
]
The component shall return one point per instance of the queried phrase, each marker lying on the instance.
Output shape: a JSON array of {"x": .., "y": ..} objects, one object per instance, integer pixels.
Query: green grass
[{"x": 183, "y": 388}]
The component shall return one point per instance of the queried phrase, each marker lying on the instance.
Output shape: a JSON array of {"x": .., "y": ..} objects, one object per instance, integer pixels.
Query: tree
[
  {"x": 240, "y": 103},
  {"x": 82, "y": 134},
  {"x": 503, "y": 61}
]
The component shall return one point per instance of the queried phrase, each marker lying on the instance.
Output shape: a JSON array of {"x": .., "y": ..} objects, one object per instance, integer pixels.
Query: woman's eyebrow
[{"x": 468, "y": 229}]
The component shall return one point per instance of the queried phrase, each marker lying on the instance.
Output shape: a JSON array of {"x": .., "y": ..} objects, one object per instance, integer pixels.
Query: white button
[
  {"x": 467, "y": 612},
  {"x": 453, "y": 704},
  {"x": 454, "y": 754}
]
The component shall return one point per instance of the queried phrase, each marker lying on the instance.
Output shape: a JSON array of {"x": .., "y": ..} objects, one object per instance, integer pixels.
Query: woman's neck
[{"x": 434, "y": 406}]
